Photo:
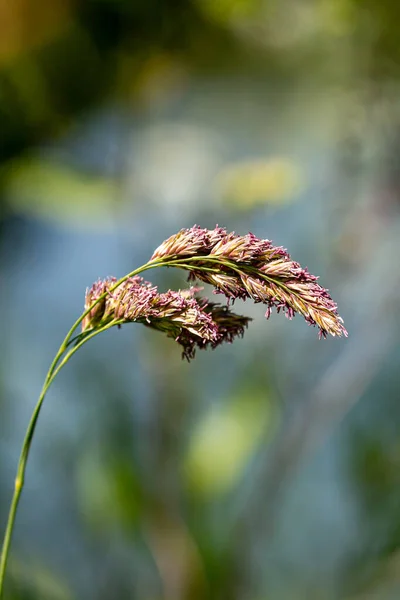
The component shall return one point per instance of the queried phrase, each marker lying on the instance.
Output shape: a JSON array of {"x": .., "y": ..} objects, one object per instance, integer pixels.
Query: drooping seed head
[
  {"x": 192, "y": 322},
  {"x": 249, "y": 267}
]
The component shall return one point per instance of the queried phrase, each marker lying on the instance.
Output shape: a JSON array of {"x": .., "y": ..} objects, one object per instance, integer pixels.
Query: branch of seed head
[
  {"x": 247, "y": 267},
  {"x": 291, "y": 295},
  {"x": 192, "y": 322}
]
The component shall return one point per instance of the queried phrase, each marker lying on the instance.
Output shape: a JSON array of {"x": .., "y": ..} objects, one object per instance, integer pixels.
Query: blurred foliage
[
  {"x": 58, "y": 58},
  {"x": 108, "y": 492},
  {"x": 50, "y": 190},
  {"x": 35, "y": 580},
  {"x": 72, "y": 60}
]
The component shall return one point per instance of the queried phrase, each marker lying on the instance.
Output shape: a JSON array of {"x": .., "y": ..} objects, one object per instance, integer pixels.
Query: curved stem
[
  {"x": 19, "y": 481},
  {"x": 60, "y": 360}
]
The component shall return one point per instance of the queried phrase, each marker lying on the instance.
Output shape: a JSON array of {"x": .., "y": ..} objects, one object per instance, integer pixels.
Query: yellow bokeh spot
[
  {"x": 224, "y": 441},
  {"x": 256, "y": 182}
]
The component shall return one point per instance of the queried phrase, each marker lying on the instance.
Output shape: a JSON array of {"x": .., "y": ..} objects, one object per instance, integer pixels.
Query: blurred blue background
[{"x": 266, "y": 470}]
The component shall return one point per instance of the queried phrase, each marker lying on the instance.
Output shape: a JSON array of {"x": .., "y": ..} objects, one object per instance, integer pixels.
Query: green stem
[
  {"x": 60, "y": 360},
  {"x": 20, "y": 478}
]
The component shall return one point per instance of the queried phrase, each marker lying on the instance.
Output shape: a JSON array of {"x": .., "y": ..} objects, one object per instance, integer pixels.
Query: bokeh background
[{"x": 266, "y": 470}]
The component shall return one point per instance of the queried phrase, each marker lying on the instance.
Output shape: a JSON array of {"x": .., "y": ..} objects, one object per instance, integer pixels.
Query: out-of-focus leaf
[
  {"x": 40, "y": 582},
  {"x": 159, "y": 80},
  {"x": 337, "y": 17},
  {"x": 107, "y": 491},
  {"x": 50, "y": 191},
  {"x": 24, "y": 24},
  {"x": 250, "y": 183},
  {"x": 224, "y": 441},
  {"x": 178, "y": 559},
  {"x": 226, "y": 11},
  {"x": 383, "y": 582}
]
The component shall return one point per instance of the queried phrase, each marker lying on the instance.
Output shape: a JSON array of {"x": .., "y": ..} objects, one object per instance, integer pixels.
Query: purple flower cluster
[
  {"x": 192, "y": 322},
  {"x": 236, "y": 266},
  {"x": 249, "y": 267}
]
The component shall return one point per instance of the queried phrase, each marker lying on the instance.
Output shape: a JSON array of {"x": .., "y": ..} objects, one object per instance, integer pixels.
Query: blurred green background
[{"x": 266, "y": 470}]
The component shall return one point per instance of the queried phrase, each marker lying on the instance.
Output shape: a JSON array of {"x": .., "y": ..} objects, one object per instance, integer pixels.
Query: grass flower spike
[
  {"x": 236, "y": 266},
  {"x": 248, "y": 267},
  {"x": 191, "y": 321}
]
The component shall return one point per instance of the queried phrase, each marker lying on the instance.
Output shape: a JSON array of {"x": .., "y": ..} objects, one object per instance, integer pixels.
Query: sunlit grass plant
[{"x": 244, "y": 267}]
